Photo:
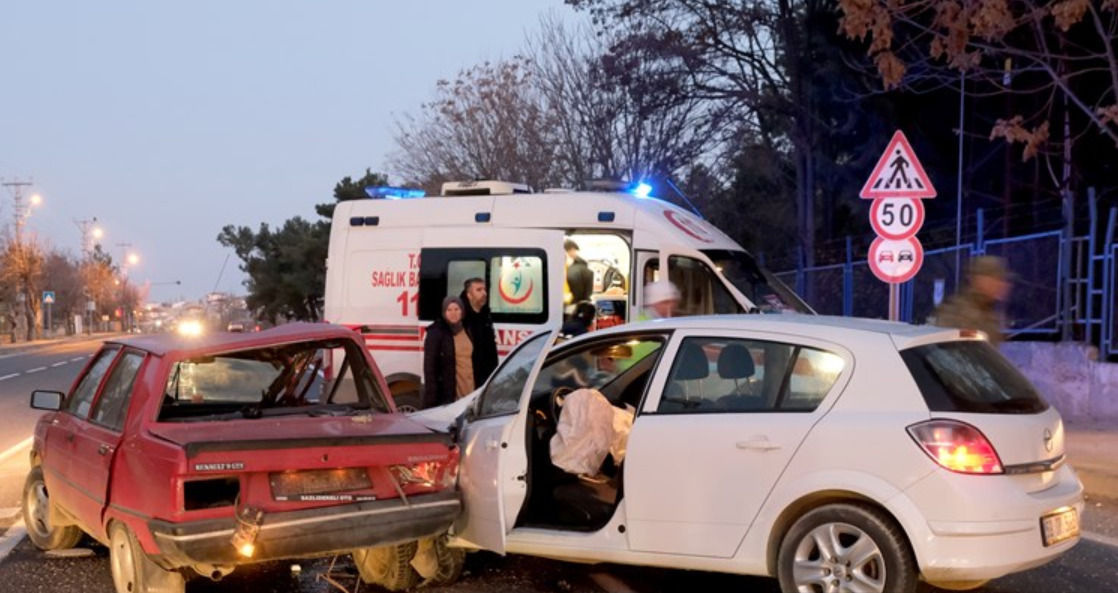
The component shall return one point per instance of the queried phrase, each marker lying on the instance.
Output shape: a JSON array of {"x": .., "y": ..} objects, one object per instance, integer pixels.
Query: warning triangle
[{"x": 898, "y": 174}]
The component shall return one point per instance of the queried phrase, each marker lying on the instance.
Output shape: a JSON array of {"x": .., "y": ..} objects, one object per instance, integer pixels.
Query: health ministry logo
[{"x": 516, "y": 286}]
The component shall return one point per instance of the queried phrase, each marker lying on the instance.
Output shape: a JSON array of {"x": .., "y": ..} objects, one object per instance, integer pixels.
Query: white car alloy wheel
[{"x": 846, "y": 548}]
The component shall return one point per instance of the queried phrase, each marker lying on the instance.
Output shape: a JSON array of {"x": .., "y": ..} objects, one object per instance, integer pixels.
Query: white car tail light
[{"x": 957, "y": 446}]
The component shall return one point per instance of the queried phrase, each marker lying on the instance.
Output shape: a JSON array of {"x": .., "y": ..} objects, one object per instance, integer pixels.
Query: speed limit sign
[{"x": 897, "y": 218}]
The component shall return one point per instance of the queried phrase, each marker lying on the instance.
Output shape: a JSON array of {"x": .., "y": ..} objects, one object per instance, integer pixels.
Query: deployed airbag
[{"x": 589, "y": 429}]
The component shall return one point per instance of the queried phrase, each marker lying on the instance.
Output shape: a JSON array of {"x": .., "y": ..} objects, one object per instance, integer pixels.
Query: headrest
[
  {"x": 735, "y": 362},
  {"x": 693, "y": 363}
]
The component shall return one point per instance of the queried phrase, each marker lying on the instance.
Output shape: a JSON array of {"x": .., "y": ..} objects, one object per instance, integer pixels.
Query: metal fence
[{"x": 1064, "y": 287}]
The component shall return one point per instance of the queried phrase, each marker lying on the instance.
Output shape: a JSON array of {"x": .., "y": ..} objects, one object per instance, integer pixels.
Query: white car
[{"x": 833, "y": 454}]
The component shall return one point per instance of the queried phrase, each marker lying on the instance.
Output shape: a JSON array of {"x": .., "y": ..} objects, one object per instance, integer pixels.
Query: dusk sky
[{"x": 168, "y": 120}]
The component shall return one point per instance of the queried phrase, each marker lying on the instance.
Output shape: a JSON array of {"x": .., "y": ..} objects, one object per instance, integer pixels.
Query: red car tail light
[
  {"x": 439, "y": 475},
  {"x": 957, "y": 446}
]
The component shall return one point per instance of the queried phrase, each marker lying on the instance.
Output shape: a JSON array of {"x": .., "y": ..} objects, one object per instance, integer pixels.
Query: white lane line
[
  {"x": 36, "y": 369},
  {"x": 58, "y": 364},
  {"x": 9, "y": 376},
  {"x": 77, "y": 359},
  {"x": 11, "y": 538},
  {"x": 1099, "y": 538},
  {"x": 9, "y": 512},
  {"x": 20, "y": 446}
]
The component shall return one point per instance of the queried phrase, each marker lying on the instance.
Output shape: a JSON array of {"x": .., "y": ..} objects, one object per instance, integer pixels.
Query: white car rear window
[{"x": 971, "y": 376}]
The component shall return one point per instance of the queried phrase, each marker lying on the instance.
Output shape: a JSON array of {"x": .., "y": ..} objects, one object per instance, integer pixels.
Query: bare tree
[
  {"x": 490, "y": 122},
  {"x": 21, "y": 271},
  {"x": 1063, "y": 49},
  {"x": 616, "y": 116}
]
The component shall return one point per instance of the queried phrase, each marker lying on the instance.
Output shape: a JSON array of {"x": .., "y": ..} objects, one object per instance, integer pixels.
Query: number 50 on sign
[{"x": 897, "y": 218}]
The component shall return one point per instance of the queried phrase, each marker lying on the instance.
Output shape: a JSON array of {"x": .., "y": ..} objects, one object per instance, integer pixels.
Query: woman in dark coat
[{"x": 448, "y": 371}]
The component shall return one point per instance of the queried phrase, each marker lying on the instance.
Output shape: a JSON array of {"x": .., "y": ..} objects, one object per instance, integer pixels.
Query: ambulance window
[
  {"x": 515, "y": 278},
  {"x": 701, "y": 290}
]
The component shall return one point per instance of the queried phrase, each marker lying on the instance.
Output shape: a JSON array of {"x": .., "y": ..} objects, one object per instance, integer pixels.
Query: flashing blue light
[
  {"x": 394, "y": 193},
  {"x": 642, "y": 190}
]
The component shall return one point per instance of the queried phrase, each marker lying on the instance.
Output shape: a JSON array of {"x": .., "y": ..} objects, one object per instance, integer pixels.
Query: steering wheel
[{"x": 558, "y": 395}]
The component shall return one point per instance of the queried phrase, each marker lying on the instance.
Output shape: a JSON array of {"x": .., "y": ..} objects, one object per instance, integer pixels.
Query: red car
[{"x": 196, "y": 454}]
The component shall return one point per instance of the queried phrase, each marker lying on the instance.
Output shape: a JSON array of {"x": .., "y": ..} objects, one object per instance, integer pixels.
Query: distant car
[
  {"x": 235, "y": 327},
  {"x": 885, "y": 256},
  {"x": 833, "y": 454},
  {"x": 905, "y": 255},
  {"x": 189, "y": 455}
]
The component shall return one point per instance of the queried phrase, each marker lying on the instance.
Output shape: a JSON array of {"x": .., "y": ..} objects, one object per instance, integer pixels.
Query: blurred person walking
[
  {"x": 448, "y": 370},
  {"x": 979, "y": 304}
]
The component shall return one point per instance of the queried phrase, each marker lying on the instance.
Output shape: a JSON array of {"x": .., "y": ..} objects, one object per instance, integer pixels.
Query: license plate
[
  {"x": 1059, "y": 526},
  {"x": 299, "y": 485}
]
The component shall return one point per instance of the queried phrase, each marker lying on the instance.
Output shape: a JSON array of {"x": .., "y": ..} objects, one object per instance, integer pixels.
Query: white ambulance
[{"x": 394, "y": 257}]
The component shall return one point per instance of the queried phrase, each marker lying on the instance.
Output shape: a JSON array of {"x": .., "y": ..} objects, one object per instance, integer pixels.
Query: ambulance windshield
[{"x": 757, "y": 284}]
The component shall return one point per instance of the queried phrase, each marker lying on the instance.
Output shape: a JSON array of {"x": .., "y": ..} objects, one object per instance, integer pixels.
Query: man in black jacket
[
  {"x": 580, "y": 278},
  {"x": 479, "y": 325}
]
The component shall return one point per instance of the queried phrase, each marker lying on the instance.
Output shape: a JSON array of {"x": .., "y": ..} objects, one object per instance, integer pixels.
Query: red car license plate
[
  {"x": 1059, "y": 526},
  {"x": 292, "y": 485}
]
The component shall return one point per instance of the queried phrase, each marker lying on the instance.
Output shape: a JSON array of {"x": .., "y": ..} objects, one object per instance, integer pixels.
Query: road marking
[
  {"x": 9, "y": 376},
  {"x": 58, "y": 364},
  {"x": 1099, "y": 538},
  {"x": 36, "y": 369},
  {"x": 11, "y": 538},
  {"x": 20, "y": 446},
  {"x": 8, "y": 513},
  {"x": 77, "y": 359}
]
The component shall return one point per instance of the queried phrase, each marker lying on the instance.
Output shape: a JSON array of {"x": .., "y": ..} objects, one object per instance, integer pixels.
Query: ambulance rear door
[{"x": 523, "y": 270}]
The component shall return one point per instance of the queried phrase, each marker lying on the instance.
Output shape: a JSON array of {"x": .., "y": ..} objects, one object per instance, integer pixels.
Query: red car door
[
  {"x": 97, "y": 438},
  {"x": 61, "y": 439}
]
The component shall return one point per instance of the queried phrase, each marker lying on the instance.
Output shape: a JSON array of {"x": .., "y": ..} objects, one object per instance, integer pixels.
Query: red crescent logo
[
  {"x": 510, "y": 300},
  {"x": 688, "y": 227}
]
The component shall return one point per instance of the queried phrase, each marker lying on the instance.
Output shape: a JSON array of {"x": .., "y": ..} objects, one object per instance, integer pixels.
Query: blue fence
[{"x": 1065, "y": 287}]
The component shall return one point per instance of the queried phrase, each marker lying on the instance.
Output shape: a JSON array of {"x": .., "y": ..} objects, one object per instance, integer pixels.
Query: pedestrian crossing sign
[
  {"x": 898, "y": 174},
  {"x": 48, "y": 297}
]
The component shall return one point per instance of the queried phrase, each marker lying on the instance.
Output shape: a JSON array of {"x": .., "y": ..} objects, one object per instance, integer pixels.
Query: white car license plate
[{"x": 1059, "y": 526}]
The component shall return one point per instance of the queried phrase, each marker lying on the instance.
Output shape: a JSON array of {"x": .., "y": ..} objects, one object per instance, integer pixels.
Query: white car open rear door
[{"x": 494, "y": 456}]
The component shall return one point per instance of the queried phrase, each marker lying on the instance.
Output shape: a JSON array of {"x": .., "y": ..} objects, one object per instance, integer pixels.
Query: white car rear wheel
[{"x": 846, "y": 548}]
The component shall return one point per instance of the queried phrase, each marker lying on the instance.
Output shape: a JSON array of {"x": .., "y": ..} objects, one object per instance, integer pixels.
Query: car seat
[{"x": 735, "y": 362}]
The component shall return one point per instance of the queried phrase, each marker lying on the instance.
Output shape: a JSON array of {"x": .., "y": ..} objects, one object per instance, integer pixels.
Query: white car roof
[{"x": 835, "y": 329}]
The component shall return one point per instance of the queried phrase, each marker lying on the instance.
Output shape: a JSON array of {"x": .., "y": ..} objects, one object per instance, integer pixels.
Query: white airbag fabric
[{"x": 589, "y": 429}]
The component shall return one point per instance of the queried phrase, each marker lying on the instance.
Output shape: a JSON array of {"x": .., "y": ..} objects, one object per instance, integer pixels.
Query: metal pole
[
  {"x": 894, "y": 302},
  {"x": 959, "y": 181}
]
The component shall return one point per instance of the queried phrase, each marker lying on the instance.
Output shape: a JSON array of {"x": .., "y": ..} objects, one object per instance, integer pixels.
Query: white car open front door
[{"x": 494, "y": 456}]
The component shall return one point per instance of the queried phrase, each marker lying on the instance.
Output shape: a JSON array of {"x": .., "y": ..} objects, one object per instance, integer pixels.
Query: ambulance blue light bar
[
  {"x": 641, "y": 190},
  {"x": 389, "y": 192}
]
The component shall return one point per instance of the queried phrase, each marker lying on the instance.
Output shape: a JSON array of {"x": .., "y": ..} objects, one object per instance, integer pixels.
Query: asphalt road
[{"x": 1091, "y": 566}]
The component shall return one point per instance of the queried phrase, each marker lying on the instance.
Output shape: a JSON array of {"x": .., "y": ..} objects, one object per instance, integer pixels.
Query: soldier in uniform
[{"x": 977, "y": 306}]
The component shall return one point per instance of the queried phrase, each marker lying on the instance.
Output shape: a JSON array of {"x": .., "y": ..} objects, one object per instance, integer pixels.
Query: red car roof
[{"x": 186, "y": 346}]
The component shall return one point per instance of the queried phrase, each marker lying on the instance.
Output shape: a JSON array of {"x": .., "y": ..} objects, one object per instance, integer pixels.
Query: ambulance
[{"x": 394, "y": 257}]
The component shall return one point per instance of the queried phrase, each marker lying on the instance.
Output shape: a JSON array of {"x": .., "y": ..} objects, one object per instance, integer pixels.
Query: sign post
[
  {"x": 897, "y": 187},
  {"x": 48, "y": 301}
]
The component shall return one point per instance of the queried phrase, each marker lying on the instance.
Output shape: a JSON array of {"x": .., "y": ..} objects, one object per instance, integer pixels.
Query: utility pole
[
  {"x": 19, "y": 212},
  {"x": 90, "y": 234}
]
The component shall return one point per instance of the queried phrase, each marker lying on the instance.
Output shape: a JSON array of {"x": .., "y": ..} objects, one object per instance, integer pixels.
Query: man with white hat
[{"x": 660, "y": 300}]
